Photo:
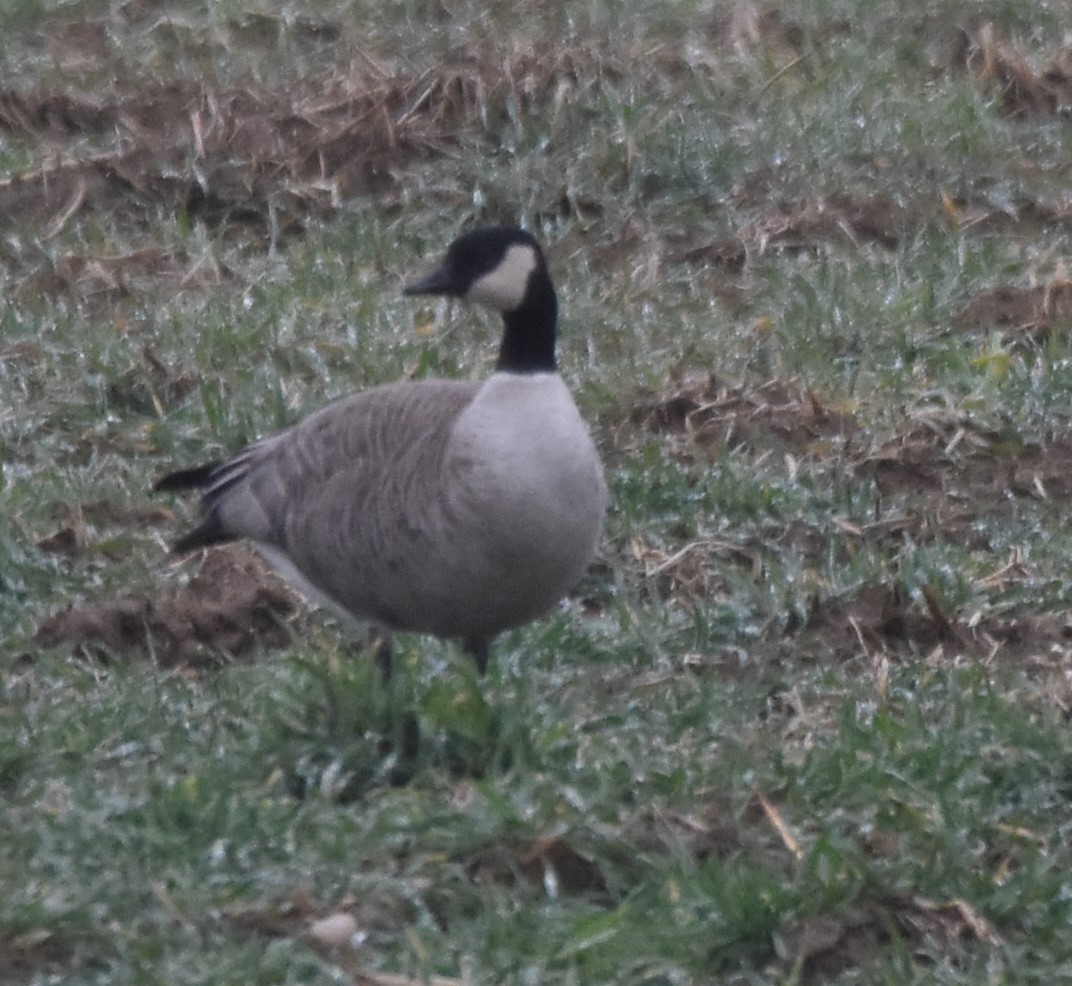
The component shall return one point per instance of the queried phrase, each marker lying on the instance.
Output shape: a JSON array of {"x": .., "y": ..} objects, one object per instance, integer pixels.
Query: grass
[{"x": 804, "y": 721}]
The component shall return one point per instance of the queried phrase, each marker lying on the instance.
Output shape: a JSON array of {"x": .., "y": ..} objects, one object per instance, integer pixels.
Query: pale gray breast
[{"x": 535, "y": 481}]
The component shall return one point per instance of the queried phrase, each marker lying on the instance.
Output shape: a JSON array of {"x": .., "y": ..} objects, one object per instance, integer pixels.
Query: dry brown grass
[{"x": 1004, "y": 69}]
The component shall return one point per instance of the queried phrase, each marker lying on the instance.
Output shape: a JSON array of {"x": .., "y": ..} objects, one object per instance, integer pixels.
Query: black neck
[{"x": 528, "y": 342}]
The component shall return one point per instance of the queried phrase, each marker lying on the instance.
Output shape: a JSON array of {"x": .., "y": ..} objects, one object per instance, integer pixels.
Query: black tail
[
  {"x": 206, "y": 534},
  {"x": 215, "y": 478},
  {"x": 186, "y": 479},
  {"x": 210, "y": 531}
]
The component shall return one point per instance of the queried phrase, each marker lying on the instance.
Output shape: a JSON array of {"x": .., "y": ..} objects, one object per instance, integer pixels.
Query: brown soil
[
  {"x": 234, "y": 607},
  {"x": 1033, "y": 309},
  {"x": 539, "y": 861},
  {"x": 35, "y": 954},
  {"x": 257, "y": 162},
  {"x": 260, "y": 161},
  {"x": 938, "y": 452},
  {"x": 824, "y": 946},
  {"x": 854, "y": 220},
  {"x": 881, "y": 620}
]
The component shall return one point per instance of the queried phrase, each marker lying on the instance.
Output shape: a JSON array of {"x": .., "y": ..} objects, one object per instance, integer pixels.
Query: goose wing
[{"x": 306, "y": 489}]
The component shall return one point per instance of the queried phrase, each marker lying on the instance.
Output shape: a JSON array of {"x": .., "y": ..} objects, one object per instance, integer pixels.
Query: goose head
[{"x": 502, "y": 268}]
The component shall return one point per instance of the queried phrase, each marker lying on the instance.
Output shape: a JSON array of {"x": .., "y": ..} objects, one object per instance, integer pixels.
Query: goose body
[{"x": 459, "y": 509}]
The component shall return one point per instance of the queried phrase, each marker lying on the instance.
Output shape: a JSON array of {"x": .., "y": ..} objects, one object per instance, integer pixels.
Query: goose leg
[
  {"x": 382, "y": 651},
  {"x": 363, "y": 637},
  {"x": 479, "y": 651}
]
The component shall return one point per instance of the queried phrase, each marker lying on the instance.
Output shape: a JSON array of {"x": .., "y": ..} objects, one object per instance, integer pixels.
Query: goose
[{"x": 458, "y": 509}]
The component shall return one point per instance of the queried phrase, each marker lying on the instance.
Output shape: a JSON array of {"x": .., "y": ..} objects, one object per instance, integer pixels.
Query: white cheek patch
[{"x": 503, "y": 288}]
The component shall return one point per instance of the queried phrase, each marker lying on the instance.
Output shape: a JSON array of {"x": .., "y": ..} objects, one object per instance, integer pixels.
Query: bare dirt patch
[
  {"x": 1034, "y": 310},
  {"x": 36, "y": 953},
  {"x": 819, "y": 948},
  {"x": 881, "y": 620},
  {"x": 957, "y": 474},
  {"x": 798, "y": 225},
  {"x": 887, "y": 621},
  {"x": 539, "y": 862},
  {"x": 79, "y": 524},
  {"x": 235, "y": 606}
]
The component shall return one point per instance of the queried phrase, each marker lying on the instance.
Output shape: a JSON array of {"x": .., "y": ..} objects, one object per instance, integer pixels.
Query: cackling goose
[{"x": 458, "y": 509}]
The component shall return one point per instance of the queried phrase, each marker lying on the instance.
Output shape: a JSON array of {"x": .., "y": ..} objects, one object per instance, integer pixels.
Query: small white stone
[{"x": 334, "y": 930}]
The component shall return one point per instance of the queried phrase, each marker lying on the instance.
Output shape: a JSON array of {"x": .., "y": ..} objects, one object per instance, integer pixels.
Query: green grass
[{"x": 704, "y": 772}]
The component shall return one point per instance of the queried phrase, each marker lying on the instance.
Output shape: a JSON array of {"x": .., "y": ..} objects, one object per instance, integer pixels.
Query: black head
[
  {"x": 492, "y": 266},
  {"x": 503, "y": 269}
]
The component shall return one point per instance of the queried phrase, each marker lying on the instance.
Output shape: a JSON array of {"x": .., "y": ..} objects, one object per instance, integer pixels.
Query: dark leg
[
  {"x": 367, "y": 637},
  {"x": 381, "y": 650},
  {"x": 478, "y": 650}
]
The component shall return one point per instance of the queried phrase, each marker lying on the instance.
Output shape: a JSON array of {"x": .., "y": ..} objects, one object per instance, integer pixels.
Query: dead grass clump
[
  {"x": 235, "y": 606},
  {"x": 800, "y": 225},
  {"x": 700, "y": 413},
  {"x": 100, "y": 279},
  {"x": 692, "y": 573},
  {"x": 71, "y": 538},
  {"x": 270, "y": 159},
  {"x": 1022, "y": 91},
  {"x": 265, "y": 159}
]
